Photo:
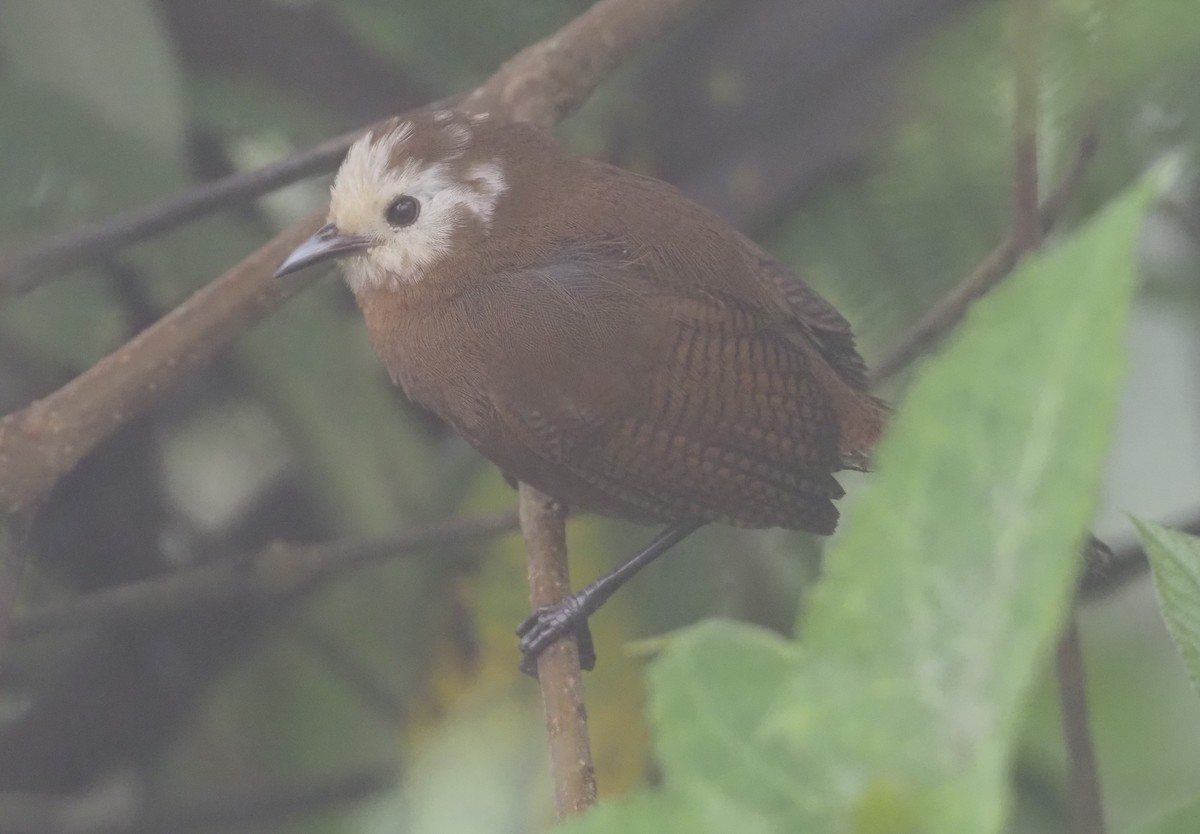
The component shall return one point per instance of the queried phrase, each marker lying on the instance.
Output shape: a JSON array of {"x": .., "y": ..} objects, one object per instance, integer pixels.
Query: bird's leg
[{"x": 548, "y": 624}]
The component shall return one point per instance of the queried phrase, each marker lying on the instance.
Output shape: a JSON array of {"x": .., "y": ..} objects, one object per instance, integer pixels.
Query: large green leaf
[
  {"x": 952, "y": 578},
  {"x": 942, "y": 597},
  {"x": 1175, "y": 560}
]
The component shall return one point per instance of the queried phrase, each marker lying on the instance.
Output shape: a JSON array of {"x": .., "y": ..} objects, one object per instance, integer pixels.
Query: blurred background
[{"x": 866, "y": 143}]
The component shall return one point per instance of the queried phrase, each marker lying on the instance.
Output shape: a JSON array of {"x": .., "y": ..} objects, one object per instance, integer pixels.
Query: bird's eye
[{"x": 402, "y": 211}]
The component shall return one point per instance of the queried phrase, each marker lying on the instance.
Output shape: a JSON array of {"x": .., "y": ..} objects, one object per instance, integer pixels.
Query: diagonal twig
[
  {"x": 23, "y": 270},
  {"x": 941, "y": 318},
  {"x": 44, "y": 441},
  {"x": 542, "y": 84}
]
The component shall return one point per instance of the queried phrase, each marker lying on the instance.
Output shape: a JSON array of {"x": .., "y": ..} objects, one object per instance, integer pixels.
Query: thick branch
[
  {"x": 548, "y": 81},
  {"x": 543, "y": 522},
  {"x": 42, "y": 442},
  {"x": 279, "y": 571}
]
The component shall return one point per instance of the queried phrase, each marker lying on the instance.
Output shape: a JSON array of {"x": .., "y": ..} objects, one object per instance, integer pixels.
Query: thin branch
[
  {"x": 543, "y": 522},
  {"x": 280, "y": 571},
  {"x": 24, "y": 270},
  {"x": 1027, "y": 230},
  {"x": 994, "y": 268},
  {"x": 1087, "y": 813},
  {"x": 543, "y": 84},
  {"x": 39, "y": 444},
  {"x": 1108, "y": 572}
]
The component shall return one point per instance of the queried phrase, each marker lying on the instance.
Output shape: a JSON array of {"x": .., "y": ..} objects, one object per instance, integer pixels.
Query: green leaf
[
  {"x": 730, "y": 674},
  {"x": 951, "y": 580},
  {"x": 944, "y": 594},
  {"x": 646, "y": 813},
  {"x": 1175, "y": 561}
]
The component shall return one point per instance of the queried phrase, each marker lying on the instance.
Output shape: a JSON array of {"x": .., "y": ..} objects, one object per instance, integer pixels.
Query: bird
[{"x": 597, "y": 335}]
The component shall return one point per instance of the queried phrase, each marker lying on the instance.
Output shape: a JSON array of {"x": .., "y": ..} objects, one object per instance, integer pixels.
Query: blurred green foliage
[{"x": 104, "y": 109}]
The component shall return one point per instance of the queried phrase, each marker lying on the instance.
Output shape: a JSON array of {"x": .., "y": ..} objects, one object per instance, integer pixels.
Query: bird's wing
[
  {"x": 817, "y": 327},
  {"x": 696, "y": 253},
  {"x": 828, "y": 330},
  {"x": 681, "y": 405}
]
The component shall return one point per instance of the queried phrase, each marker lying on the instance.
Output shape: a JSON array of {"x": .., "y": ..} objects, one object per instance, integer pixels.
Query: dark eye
[{"x": 402, "y": 211}]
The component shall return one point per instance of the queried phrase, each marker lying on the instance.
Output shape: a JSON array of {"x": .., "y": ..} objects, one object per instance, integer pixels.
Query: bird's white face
[{"x": 408, "y": 193}]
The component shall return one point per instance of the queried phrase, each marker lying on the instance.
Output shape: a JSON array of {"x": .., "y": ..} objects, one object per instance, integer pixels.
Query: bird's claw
[{"x": 545, "y": 626}]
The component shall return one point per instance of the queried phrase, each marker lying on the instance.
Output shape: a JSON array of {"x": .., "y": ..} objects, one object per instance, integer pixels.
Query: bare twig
[
  {"x": 44, "y": 441},
  {"x": 24, "y": 270},
  {"x": 543, "y": 84},
  {"x": 1087, "y": 813},
  {"x": 995, "y": 267},
  {"x": 1120, "y": 565},
  {"x": 543, "y": 522},
  {"x": 1027, "y": 228},
  {"x": 279, "y": 571}
]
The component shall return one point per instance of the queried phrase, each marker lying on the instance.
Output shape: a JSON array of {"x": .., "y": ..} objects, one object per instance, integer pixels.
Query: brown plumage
[{"x": 595, "y": 333}]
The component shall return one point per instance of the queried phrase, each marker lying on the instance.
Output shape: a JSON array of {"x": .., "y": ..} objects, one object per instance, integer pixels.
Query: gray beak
[{"x": 327, "y": 243}]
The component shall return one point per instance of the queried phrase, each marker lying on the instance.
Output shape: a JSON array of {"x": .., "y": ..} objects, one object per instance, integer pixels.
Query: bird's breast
[{"x": 433, "y": 353}]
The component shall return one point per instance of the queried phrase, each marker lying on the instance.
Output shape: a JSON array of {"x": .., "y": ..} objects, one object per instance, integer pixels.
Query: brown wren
[{"x": 597, "y": 335}]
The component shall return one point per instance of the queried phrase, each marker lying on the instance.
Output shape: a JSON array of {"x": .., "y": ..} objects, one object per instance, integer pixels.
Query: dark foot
[{"x": 546, "y": 625}]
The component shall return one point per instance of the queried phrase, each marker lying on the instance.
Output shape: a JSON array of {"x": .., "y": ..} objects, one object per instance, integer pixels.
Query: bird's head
[{"x": 406, "y": 196}]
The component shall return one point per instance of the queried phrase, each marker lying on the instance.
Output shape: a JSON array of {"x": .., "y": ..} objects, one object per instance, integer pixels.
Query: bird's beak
[{"x": 327, "y": 243}]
